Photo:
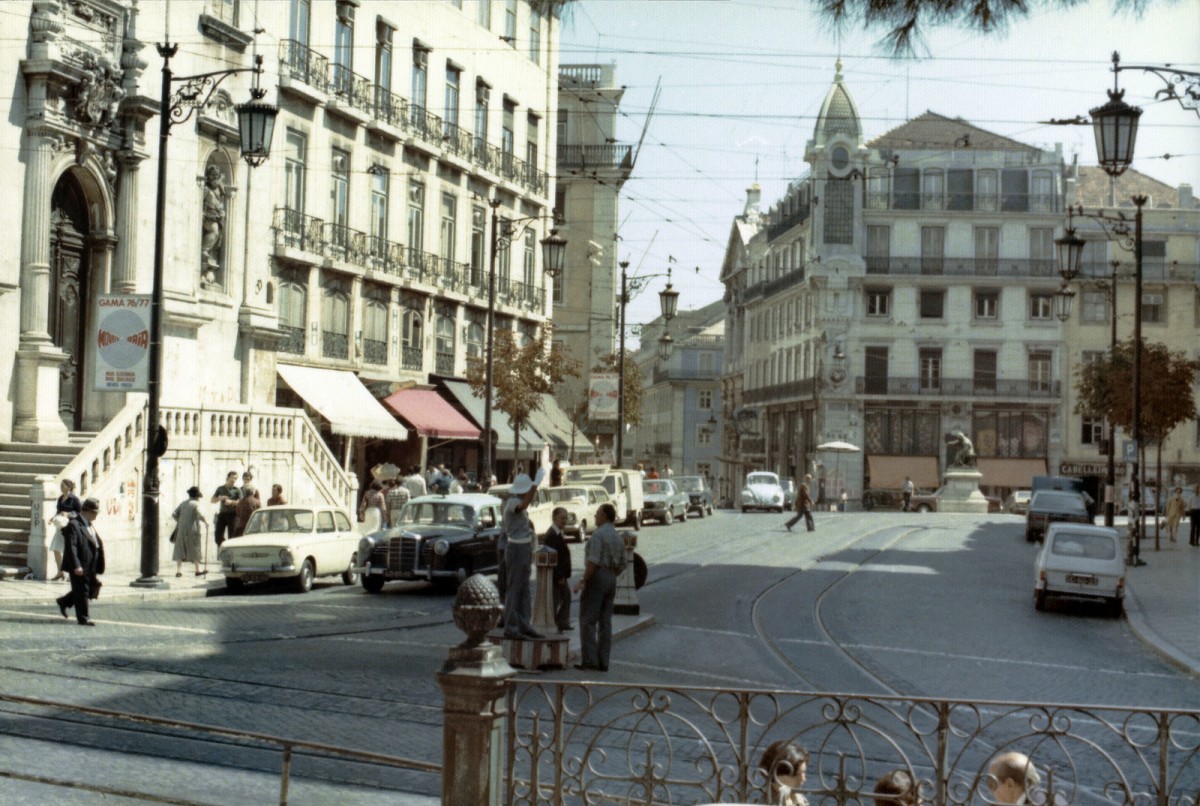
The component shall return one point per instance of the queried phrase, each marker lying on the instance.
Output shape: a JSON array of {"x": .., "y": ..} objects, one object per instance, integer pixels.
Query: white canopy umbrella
[{"x": 838, "y": 447}]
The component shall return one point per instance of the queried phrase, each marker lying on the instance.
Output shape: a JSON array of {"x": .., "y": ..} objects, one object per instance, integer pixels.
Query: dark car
[
  {"x": 1053, "y": 506},
  {"x": 663, "y": 502},
  {"x": 700, "y": 495},
  {"x": 883, "y": 498},
  {"x": 439, "y": 538}
]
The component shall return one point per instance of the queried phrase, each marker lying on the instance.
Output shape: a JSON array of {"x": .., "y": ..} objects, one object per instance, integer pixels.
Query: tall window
[
  {"x": 906, "y": 188},
  {"x": 933, "y": 187},
  {"x": 1041, "y": 251},
  {"x": 483, "y": 13},
  {"x": 1039, "y": 372},
  {"x": 1091, "y": 431},
  {"x": 335, "y": 319},
  {"x": 987, "y": 190},
  {"x": 479, "y": 254},
  {"x": 535, "y": 35},
  {"x": 339, "y": 190},
  {"x": 1041, "y": 197},
  {"x": 985, "y": 371},
  {"x": 343, "y": 47},
  {"x": 1093, "y": 308},
  {"x": 420, "y": 83},
  {"x": 987, "y": 250},
  {"x": 412, "y": 337},
  {"x": 444, "y": 343},
  {"x": 482, "y": 95},
  {"x": 449, "y": 225},
  {"x": 510, "y": 22},
  {"x": 531, "y": 141},
  {"x": 293, "y": 314},
  {"x": 298, "y": 19},
  {"x": 562, "y": 126},
  {"x": 879, "y": 249},
  {"x": 560, "y": 201},
  {"x": 507, "y": 138},
  {"x": 453, "y": 80},
  {"x": 875, "y": 368},
  {"x": 987, "y": 303},
  {"x": 528, "y": 264},
  {"x": 384, "y": 34},
  {"x": 1041, "y": 306},
  {"x": 930, "y": 369},
  {"x": 224, "y": 10},
  {"x": 933, "y": 249},
  {"x": 879, "y": 301},
  {"x": 374, "y": 326},
  {"x": 379, "y": 210},
  {"x": 704, "y": 399},
  {"x": 294, "y": 169},
  {"x": 1154, "y": 259},
  {"x": 960, "y": 187},
  {"x": 1154, "y": 307},
  {"x": 1014, "y": 187},
  {"x": 416, "y": 219},
  {"x": 474, "y": 335}
]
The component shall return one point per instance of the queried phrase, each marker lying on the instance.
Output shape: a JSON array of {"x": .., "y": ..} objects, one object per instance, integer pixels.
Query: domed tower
[{"x": 837, "y": 156}]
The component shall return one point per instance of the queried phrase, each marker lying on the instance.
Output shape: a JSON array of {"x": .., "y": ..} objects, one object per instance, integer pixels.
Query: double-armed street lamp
[
  {"x": 256, "y": 123},
  {"x": 1115, "y": 125},
  {"x": 668, "y": 300},
  {"x": 554, "y": 254}
]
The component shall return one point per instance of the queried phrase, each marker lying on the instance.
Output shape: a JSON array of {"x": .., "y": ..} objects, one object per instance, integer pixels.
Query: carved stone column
[{"x": 124, "y": 276}]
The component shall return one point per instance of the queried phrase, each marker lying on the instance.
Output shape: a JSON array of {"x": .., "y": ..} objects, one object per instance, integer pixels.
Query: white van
[{"x": 624, "y": 487}]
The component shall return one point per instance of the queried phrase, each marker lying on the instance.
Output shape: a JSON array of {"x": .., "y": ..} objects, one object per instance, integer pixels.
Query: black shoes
[
  {"x": 532, "y": 634},
  {"x": 62, "y": 608},
  {"x": 787, "y": 526},
  {"x": 87, "y": 623},
  {"x": 587, "y": 667}
]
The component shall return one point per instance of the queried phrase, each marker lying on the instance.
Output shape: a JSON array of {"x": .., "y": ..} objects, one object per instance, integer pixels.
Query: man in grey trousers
[
  {"x": 518, "y": 557},
  {"x": 605, "y": 555}
]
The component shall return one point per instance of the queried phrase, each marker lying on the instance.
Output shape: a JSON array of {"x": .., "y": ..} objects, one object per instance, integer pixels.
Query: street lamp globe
[
  {"x": 665, "y": 345},
  {"x": 1070, "y": 253},
  {"x": 668, "y": 300},
  {"x": 256, "y": 124},
  {"x": 554, "y": 253},
  {"x": 1115, "y": 125},
  {"x": 1063, "y": 301}
]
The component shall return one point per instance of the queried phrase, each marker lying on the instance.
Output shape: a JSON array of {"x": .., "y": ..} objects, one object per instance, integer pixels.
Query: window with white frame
[
  {"x": 478, "y": 243},
  {"x": 529, "y": 262},
  {"x": 704, "y": 399},
  {"x": 1091, "y": 431},
  {"x": 335, "y": 318},
  {"x": 412, "y": 329},
  {"x": 1041, "y": 251},
  {"x": 449, "y": 226},
  {"x": 379, "y": 210},
  {"x": 339, "y": 190},
  {"x": 704, "y": 435},
  {"x": 295, "y": 159},
  {"x": 420, "y": 84},
  {"x": 930, "y": 365},
  {"x": 1039, "y": 371},
  {"x": 987, "y": 303},
  {"x": 384, "y": 35},
  {"x": 1154, "y": 307},
  {"x": 932, "y": 189},
  {"x": 1041, "y": 306},
  {"x": 444, "y": 335},
  {"x": 987, "y": 249},
  {"x": 416, "y": 219},
  {"x": 535, "y": 35},
  {"x": 298, "y": 21},
  {"x": 374, "y": 325},
  {"x": 879, "y": 302},
  {"x": 707, "y": 359},
  {"x": 453, "y": 84},
  {"x": 474, "y": 336},
  {"x": 879, "y": 247},
  {"x": 343, "y": 47},
  {"x": 483, "y": 94},
  {"x": 510, "y": 22},
  {"x": 483, "y": 13}
]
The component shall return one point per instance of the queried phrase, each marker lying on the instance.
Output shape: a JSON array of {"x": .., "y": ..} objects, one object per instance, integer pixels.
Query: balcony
[
  {"x": 375, "y": 352},
  {"x": 457, "y": 141},
  {"x": 411, "y": 358},
  {"x": 335, "y": 345},
  {"x": 781, "y": 391},
  {"x": 296, "y": 230},
  {"x": 293, "y": 340},
  {"x": 301, "y": 64},
  {"x": 607, "y": 155},
  {"x": 444, "y": 363},
  {"x": 957, "y": 387},
  {"x": 596, "y": 75},
  {"x": 527, "y": 296},
  {"x": 350, "y": 95},
  {"x": 966, "y": 202},
  {"x": 661, "y": 375},
  {"x": 425, "y": 126},
  {"x": 787, "y": 222},
  {"x": 349, "y": 245},
  {"x": 962, "y": 267}
]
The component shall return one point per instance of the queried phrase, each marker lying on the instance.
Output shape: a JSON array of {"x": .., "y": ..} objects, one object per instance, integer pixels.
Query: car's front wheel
[
  {"x": 683, "y": 514},
  {"x": 923, "y": 508},
  {"x": 350, "y": 576},
  {"x": 701, "y": 512},
  {"x": 1039, "y": 599},
  {"x": 710, "y": 510},
  {"x": 372, "y": 584},
  {"x": 304, "y": 580},
  {"x": 668, "y": 518}
]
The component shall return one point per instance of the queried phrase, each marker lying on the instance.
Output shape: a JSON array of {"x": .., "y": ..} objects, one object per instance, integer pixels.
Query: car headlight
[
  {"x": 285, "y": 556},
  {"x": 226, "y": 557},
  {"x": 441, "y": 547},
  {"x": 365, "y": 547},
  {"x": 778, "y": 498}
]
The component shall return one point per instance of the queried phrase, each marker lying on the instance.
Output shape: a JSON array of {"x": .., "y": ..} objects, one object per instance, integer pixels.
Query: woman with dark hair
[
  {"x": 786, "y": 766},
  {"x": 372, "y": 512},
  {"x": 897, "y": 788},
  {"x": 66, "y": 507},
  {"x": 188, "y": 517}
]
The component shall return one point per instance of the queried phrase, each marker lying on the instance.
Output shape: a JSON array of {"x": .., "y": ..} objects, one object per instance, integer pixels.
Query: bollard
[
  {"x": 474, "y": 683},
  {"x": 544, "y": 560},
  {"x": 625, "y": 603}
]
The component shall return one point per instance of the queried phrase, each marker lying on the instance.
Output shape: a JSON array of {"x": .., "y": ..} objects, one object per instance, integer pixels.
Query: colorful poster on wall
[
  {"x": 603, "y": 389},
  {"x": 122, "y": 338}
]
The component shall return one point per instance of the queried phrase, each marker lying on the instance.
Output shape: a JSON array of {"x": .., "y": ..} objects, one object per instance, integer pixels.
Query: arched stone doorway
[{"x": 70, "y": 304}]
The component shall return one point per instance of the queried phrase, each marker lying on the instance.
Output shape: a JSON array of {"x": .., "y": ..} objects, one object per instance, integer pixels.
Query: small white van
[
  {"x": 624, "y": 487},
  {"x": 1083, "y": 561}
]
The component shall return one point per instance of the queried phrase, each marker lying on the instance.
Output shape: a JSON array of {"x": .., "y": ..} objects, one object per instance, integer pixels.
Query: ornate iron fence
[
  {"x": 303, "y": 64},
  {"x": 600, "y": 743},
  {"x": 295, "y": 229}
]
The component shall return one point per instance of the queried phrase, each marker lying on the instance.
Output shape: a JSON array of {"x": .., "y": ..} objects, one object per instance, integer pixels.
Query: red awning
[{"x": 430, "y": 415}]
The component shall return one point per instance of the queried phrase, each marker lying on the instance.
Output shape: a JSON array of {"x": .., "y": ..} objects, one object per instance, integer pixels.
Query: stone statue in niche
[
  {"x": 213, "y": 233},
  {"x": 959, "y": 450}
]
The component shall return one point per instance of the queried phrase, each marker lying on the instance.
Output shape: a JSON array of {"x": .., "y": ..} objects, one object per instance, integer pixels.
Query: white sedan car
[
  {"x": 580, "y": 502},
  {"x": 291, "y": 542},
  {"x": 762, "y": 491},
  {"x": 1081, "y": 561}
]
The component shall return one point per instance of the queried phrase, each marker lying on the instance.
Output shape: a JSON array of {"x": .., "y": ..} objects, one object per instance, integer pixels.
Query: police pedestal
[
  {"x": 625, "y": 603},
  {"x": 550, "y": 651}
]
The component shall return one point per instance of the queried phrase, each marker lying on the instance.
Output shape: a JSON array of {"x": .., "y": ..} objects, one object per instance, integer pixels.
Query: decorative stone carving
[
  {"x": 476, "y": 609},
  {"x": 45, "y": 21},
  {"x": 98, "y": 94},
  {"x": 959, "y": 451},
  {"x": 213, "y": 226}
]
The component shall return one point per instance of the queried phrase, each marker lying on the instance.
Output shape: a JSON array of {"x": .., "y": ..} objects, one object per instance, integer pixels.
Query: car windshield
[
  {"x": 427, "y": 513},
  {"x": 566, "y": 493},
  {"x": 1093, "y": 547},
  {"x": 658, "y": 488},
  {"x": 280, "y": 520},
  {"x": 762, "y": 478},
  {"x": 690, "y": 484},
  {"x": 1058, "y": 501}
]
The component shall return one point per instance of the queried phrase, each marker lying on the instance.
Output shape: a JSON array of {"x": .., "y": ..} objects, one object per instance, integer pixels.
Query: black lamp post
[
  {"x": 256, "y": 122},
  {"x": 554, "y": 255},
  {"x": 668, "y": 301}
]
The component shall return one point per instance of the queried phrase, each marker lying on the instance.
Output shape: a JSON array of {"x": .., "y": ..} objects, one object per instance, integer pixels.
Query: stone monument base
[
  {"x": 961, "y": 493},
  {"x": 550, "y": 652}
]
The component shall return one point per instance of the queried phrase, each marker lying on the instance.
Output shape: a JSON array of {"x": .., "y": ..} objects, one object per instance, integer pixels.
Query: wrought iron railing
[
  {"x": 351, "y": 89},
  {"x": 526, "y": 295},
  {"x": 606, "y": 155},
  {"x": 424, "y": 124},
  {"x": 375, "y": 352},
  {"x": 391, "y": 108},
  {"x": 956, "y": 387},
  {"x": 335, "y": 345},
  {"x": 300, "y": 231},
  {"x": 444, "y": 363},
  {"x": 610, "y": 743},
  {"x": 303, "y": 64},
  {"x": 786, "y": 222},
  {"x": 292, "y": 341},
  {"x": 780, "y": 391},
  {"x": 411, "y": 358},
  {"x": 457, "y": 140},
  {"x": 347, "y": 244},
  {"x": 965, "y": 202},
  {"x": 962, "y": 266},
  {"x": 384, "y": 255}
]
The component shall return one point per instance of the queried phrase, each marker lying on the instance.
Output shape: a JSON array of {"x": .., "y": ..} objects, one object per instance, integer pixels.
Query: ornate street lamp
[
  {"x": 1115, "y": 125},
  {"x": 1063, "y": 300},
  {"x": 256, "y": 122},
  {"x": 1070, "y": 253},
  {"x": 665, "y": 345}
]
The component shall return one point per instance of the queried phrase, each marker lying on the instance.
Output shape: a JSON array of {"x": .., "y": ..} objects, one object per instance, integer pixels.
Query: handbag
[
  {"x": 94, "y": 591},
  {"x": 174, "y": 533}
]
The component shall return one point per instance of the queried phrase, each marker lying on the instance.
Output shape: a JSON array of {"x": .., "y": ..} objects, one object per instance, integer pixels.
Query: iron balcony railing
[
  {"x": 787, "y": 222},
  {"x": 781, "y": 391},
  {"x": 344, "y": 243},
  {"x": 962, "y": 266},
  {"x": 956, "y": 387},
  {"x": 292, "y": 341},
  {"x": 606, "y": 155},
  {"x": 335, "y": 345},
  {"x": 390, "y": 108},
  {"x": 768, "y": 288},
  {"x": 375, "y": 352},
  {"x": 527, "y": 295},
  {"x": 303, "y": 64},
  {"x": 386, "y": 256},
  {"x": 352, "y": 89},
  {"x": 457, "y": 140},
  {"x": 966, "y": 202},
  {"x": 644, "y": 744},
  {"x": 411, "y": 358},
  {"x": 661, "y": 375},
  {"x": 444, "y": 363},
  {"x": 424, "y": 124},
  {"x": 295, "y": 229}
]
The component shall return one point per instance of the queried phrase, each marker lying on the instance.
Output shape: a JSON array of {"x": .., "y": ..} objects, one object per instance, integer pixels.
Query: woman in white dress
[
  {"x": 66, "y": 507},
  {"x": 372, "y": 511},
  {"x": 188, "y": 517}
]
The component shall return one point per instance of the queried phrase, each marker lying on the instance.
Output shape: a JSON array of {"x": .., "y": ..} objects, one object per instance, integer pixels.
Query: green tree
[
  {"x": 520, "y": 376},
  {"x": 633, "y": 383}
]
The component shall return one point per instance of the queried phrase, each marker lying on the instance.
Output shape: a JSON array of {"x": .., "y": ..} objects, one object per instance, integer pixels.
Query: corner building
[{"x": 355, "y": 257}]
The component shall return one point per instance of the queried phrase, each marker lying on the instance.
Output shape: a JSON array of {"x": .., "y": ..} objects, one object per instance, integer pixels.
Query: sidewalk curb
[
  {"x": 37, "y": 591},
  {"x": 1140, "y": 627}
]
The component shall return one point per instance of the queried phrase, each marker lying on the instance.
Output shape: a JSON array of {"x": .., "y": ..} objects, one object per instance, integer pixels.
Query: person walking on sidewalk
[
  {"x": 907, "y": 490},
  {"x": 1194, "y": 516},
  {"x": 65, "y": 509},
  {"x": 1175, "y": 509},
  {"x": 188, "y": 518},
  {"x": 227, "y": 496},
  {"x": 804, "y": 504},
  {"x": 83, "y": 560},
  {"x": 605, "y": 555},
  {"x": 556, "y": 539}
]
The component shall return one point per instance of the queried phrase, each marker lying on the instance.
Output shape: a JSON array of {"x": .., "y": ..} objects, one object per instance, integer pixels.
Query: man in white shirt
[
  {"x": 415, "y": 483},
  {"x": 1194, "y": 516}
]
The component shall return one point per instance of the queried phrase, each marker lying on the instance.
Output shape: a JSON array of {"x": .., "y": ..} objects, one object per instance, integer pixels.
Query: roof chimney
[
  {"x": 753, "y": 195},
  {"x": 1186, "y": 200}
]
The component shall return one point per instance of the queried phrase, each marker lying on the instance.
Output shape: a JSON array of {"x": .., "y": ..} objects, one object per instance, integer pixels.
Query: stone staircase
[{"x": 20, "y": 462}]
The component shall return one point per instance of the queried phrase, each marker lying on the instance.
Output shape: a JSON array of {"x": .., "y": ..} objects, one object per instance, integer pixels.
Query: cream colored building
[{"x": 361, "y": 247}]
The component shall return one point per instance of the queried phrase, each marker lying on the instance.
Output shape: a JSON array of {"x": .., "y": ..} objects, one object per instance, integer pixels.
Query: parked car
[
  {"x": 1081, "y": 561},
  {"x": 1017, "y": 502},
  {"x": 624, "y": 489},
  {"x": 762, "y": 491},
  {"x": 789, "y": 492},
  {"x": 298, "y": 543},
  {"x": 700, "y": 495},
  {"x": 540, "y": 509},
  {"x": 928, "y": 502},
  {"x": 1053, "y": 506},
  {"x": 663, "y": 501},
  {"x": 440, "y": 538},
  {"x": 580, "y": 502},
  {"x": 885, "y": 498}
]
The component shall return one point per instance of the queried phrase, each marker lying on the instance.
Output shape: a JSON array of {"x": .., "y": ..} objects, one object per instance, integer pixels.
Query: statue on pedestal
[{"x": 959, "y": 451}]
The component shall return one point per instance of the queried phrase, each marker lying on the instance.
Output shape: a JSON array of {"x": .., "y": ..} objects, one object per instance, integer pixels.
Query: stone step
[
  {"x": 13, "y": 471},
  {"x": 38, "y": 449},
  {"x": 20, "y": 488},
  {"x": 13, "y": 499},
  {"x": 13, "y": 521}
]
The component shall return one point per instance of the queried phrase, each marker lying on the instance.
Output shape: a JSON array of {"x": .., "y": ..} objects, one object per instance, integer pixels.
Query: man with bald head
[{"x": 1011, "y": 777}]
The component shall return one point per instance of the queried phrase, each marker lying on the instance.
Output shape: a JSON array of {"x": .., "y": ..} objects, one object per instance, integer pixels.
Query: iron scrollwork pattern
[{"x": 607, "y": 744}]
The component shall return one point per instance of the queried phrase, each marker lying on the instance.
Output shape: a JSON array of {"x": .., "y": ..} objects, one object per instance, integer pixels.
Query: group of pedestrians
[
  {"x": 1177, "y": 506},
  {"x": 235, "y": 504}
]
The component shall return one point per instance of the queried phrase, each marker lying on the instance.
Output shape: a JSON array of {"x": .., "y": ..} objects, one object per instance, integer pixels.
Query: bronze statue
[{"x": 959, "y": 452}]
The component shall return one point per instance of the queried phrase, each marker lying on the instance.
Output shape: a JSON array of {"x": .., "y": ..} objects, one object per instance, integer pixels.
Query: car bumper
[
  {"x": 411, "y": 574},
  {"x": 238, "y": 570}
]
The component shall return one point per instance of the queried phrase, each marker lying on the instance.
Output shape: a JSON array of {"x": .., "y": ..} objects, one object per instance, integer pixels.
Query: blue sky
[{"x": 743, "y": 79}]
